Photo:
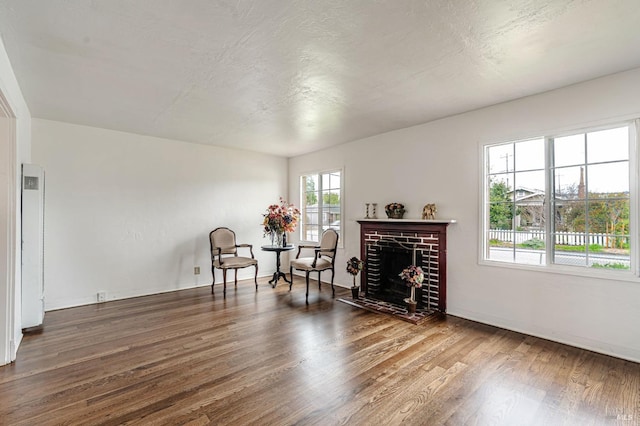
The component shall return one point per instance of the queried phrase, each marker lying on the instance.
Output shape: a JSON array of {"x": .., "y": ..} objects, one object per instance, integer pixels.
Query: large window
[
  {"x": 562, "y": 199},
  {"x": 321, "y": 200}
]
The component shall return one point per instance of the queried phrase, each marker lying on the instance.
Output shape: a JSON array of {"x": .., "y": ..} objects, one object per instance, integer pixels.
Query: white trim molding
[{"x": 8, "y": 242}]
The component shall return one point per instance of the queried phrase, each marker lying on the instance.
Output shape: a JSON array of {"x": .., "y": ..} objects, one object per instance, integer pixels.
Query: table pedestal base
[
  {"x": 277, "y": 274},
  {"x": 276, "y": 277}
]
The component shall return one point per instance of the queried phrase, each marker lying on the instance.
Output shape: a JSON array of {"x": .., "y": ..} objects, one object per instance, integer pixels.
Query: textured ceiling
[{"x": 289, "y": 77}]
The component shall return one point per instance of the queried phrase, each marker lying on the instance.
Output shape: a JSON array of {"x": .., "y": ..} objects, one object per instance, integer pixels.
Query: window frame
[
  {"x": 631, "y": 274},
  {"x": 319, "y": 174}
]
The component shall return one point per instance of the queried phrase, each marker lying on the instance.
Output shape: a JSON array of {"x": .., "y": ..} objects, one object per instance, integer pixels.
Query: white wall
[
  {"x": 131, "y": 215},
  {"x": 15, "y": 148},
  {"x": 439, "y": 162}
]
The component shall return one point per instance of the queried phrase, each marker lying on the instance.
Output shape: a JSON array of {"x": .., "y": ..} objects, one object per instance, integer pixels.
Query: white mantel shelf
[{"x": 409, "y": 220}]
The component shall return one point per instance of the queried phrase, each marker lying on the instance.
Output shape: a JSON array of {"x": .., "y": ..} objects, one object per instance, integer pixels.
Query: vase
[
  {"x": 411, "y": 302},
  {"x": 355, "y": 292},
  {"x": 276, "y": 238},
  {"x": 396, "y": 214}
]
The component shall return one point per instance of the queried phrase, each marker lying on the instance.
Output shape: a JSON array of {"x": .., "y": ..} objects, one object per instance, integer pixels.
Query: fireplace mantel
[
  {"x": 427, "y": 236},
  {"x": 420, "y": 221}
]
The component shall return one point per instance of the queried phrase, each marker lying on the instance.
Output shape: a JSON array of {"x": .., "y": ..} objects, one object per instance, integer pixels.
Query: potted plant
[
  {"x": 413, "y": 277},
  {"x": 354, "y": 266}
]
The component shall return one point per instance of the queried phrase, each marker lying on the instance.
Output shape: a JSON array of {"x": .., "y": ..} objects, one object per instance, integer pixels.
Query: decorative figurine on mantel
[{"x": 429, "y": 212}]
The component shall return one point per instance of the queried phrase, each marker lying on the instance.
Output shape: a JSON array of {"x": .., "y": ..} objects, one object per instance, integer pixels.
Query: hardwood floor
[{"x": 189, "y": 357}]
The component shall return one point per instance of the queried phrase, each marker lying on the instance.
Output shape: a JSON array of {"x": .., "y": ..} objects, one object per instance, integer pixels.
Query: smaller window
[{"x": 321, "y": 200}]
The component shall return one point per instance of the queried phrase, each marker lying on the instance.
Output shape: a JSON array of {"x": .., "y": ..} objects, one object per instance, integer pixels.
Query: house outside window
[
  {"x": 321, "y": 204},
  {"x": 562, "y": 200}
]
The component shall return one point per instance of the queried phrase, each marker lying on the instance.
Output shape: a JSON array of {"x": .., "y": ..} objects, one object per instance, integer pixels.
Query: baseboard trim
[{"x": 605, "y": 348}]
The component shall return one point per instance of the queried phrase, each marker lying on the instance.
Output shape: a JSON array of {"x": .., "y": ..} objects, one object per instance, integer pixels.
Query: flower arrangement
[
  {"x": 354, "y": 266},
  {"x": 394, "y": 210},
  {"x": 413, "y": 276},
  {"x": 280, "y": 218}
]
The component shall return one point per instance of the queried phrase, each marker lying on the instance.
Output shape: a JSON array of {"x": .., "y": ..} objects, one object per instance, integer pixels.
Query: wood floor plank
[{"x": 266, "y": 357}]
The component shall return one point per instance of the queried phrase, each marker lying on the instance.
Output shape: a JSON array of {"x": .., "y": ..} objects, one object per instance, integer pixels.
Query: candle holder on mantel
[
  {"x": 367, "y": 211},
  {"x": 375, "y": 207}
]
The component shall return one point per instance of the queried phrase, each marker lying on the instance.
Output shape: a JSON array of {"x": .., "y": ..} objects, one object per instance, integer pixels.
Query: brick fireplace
[{"x": 390, "y": 245}]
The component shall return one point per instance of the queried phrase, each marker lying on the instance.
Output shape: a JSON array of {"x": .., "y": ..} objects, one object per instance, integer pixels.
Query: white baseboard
[{"x": 624, "y": 352}]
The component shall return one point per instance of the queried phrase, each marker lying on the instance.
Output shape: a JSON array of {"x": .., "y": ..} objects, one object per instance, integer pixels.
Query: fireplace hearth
[{"x": 389, "y": 246}]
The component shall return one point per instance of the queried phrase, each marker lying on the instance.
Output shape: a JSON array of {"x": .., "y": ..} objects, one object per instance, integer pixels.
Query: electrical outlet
[
  {"x": 102, "y": 296},
  {"x": 196, "y": 270}
]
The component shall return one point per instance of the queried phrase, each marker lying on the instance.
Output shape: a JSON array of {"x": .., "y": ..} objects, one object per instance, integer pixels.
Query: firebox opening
[{"x": 393, "y": 259}]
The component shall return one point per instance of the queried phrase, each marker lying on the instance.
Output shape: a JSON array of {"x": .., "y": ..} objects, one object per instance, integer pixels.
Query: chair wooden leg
[
  {"x": 333, "y": 290},
  {"x": 291, "y": 275},
  {"x": 235, "y": 278},
  {"x": 224, "y": 279},
  {"x": 307, "y": 295},
  {"x": 213, "y": 278},
  {"x": 319, "y": 282},
  {"x": 256, "y": 277}
]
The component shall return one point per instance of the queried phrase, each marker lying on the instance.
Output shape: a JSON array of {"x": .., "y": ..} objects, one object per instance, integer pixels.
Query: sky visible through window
[{"x": 604, "y": 146}]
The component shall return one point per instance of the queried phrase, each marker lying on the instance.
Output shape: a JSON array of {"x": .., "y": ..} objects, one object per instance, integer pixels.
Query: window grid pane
[
  {"x": 592, "y": 206},
  {"x": 516, "y": 201}
]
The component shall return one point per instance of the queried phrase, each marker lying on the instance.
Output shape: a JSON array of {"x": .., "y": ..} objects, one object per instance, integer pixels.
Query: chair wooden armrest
[
  {"x": 305, "y": 246},
  {"x": 316, "y": 256},
  {"x": 249, "y": 246}
]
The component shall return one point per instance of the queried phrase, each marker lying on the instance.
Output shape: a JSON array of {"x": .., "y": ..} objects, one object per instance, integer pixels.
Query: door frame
[{"x": 9, "y": 292}]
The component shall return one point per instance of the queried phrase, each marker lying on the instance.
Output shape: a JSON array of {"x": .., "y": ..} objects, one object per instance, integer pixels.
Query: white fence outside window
[{"x": 563, "y": 238}]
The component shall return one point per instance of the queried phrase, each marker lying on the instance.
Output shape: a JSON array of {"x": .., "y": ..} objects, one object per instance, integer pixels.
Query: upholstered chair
[
  {"x": 323, "y": 259},
  {"x": 224, "y": 255}
]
